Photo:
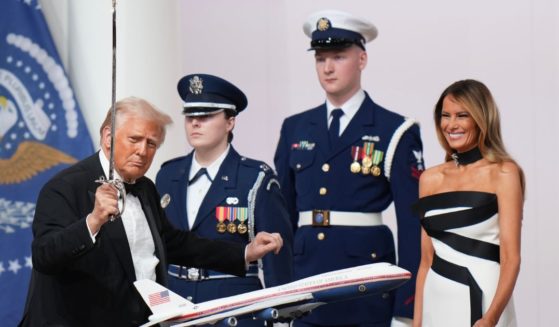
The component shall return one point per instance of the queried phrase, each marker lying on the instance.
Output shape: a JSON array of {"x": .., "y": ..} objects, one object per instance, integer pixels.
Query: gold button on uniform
[
  {"x": 325, "y": 167},
  {"x": 320, "y": 236},
  {"x": 323, "y": 191},
  {"x": 374, "y": 255}
]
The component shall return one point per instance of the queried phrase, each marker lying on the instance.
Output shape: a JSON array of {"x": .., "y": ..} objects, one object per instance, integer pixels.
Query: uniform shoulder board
[
  {"x": 172, "y": 160},
  {"x": 260, "y": 165},
  {"x": 264, "y": 167}
]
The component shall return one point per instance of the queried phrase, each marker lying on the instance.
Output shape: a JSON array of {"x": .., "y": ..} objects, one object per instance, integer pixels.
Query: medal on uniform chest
[
  {"x": 231, "y": 227},
  {"x": 355, "y": 166},
  {"x": 242, "y": 217},
  {"x": 367, "y": 161},
  {"x": 377, "y": 158},
  {"x": 220, "y": 215},
  {"x": 365, "y": 170},
  {"x": 242, "y": 229}
]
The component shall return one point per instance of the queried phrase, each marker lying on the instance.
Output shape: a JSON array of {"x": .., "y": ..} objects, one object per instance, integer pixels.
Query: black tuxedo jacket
[{"x": 76, "y": 282}]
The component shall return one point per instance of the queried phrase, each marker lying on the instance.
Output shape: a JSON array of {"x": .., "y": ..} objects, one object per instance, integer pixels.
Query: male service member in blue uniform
[
  {"x": 340, "y": 165},
  {"x": 219, "y": 194}
]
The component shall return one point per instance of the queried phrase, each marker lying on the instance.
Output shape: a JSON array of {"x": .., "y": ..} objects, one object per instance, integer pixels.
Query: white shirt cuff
[{"x": 89, "y": 230}]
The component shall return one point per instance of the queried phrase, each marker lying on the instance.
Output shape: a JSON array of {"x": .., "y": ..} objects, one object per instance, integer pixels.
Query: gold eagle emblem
[
  {"x": 30, "y": 159},
  {"x": 323, "y": 24}
]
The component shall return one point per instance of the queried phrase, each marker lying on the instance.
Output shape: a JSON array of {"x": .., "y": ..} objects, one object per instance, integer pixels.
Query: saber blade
[
  {"x": 111, "y": 178},
  {"x": 113, "y": 99}
]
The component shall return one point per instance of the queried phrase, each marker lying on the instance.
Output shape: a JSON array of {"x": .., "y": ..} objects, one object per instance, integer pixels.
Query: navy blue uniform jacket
[
  {"x": 302, "y": 151},
  {"x": 234, "y": 181}
]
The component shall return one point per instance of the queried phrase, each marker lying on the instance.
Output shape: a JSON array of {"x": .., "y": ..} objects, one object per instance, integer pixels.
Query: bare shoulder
[
  {"x": 434, "y": 172},
  {"x": 506, "y": 170},
  {"x": 431, "y": 179},
  {"x": 507, "y": 176}
]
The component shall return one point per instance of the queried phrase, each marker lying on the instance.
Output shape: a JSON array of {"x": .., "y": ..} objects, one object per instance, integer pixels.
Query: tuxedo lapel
[
  {"x": 225, "y": 179},
  {"x": 114, "y": 230},
  {"x": 119, "y": 242},
  {"x": 93, "y": 167}
]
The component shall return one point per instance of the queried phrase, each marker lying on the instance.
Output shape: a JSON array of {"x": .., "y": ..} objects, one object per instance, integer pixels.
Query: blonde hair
[
  {"x": 137, "y": 107},
  {"x": 476, "y": 98}
]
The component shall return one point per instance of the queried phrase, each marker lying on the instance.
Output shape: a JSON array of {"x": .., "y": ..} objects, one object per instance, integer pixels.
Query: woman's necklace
[{"x": 468, "y": 157}]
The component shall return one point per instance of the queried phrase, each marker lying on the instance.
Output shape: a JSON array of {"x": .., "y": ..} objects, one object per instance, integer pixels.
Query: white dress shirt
[
  {"x": 198, "y": 189},
  {"x": 350, "y": 108},
  {"x": 138, "y": 233}
]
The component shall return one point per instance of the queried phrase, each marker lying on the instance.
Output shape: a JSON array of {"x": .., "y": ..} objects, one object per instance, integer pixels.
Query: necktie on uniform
[
  {"x": 334, "y": 129},
  {"x": 200, "y": 173}
]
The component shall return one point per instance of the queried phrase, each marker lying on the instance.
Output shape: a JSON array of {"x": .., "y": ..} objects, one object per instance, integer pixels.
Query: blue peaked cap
[{"x": 204, "y": 94}]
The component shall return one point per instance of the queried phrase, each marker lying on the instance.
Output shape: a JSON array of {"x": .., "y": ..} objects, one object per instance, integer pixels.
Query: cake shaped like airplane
[{"x": 284, "y": 302}]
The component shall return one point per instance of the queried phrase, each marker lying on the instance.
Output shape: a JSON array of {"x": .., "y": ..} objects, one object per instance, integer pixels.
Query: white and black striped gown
[{"x": 459, "y": 287}]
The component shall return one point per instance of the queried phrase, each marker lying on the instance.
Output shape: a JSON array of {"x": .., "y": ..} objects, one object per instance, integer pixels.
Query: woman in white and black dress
[{"x": 471, "y": 211}]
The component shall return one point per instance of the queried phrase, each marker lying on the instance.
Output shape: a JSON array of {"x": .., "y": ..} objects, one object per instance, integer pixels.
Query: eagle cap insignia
[
  {"x": 323, "y": 24},
  {"x": 196, "y": 85}
]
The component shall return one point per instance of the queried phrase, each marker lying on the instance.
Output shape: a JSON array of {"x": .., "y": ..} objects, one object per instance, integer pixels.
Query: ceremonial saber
[
  {"x": 111, "y": 178},
  {"x": 113, "y": 100}
]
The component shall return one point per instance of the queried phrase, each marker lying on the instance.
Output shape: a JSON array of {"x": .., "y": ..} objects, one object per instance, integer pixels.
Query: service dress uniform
[
  {"x": 336, "y": 194},
  {"x": 241, "y": 198}
]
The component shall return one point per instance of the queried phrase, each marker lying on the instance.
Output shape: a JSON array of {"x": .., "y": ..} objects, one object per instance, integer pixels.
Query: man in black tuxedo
[{"x": 84, "y": 263}]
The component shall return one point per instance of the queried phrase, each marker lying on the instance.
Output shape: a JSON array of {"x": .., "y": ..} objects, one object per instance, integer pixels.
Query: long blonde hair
[{"x": 476, "y": 98}]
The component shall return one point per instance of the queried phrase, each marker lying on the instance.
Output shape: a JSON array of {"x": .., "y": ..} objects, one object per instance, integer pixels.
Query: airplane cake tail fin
[{"x": 163, "y": 303}]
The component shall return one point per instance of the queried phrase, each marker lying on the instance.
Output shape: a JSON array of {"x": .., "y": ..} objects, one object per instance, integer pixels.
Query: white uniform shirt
[
  {"x": 198, "y": 189},
  {"x": 349, "y": 108}
]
